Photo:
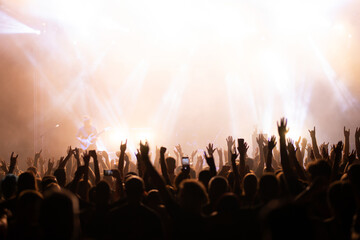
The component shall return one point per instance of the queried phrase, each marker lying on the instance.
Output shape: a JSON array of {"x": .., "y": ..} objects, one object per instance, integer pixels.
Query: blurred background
[{"x": 175, "y": 72}]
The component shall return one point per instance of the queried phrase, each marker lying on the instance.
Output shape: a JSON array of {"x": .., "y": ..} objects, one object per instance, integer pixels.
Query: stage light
[
  {"x": 10, "y": 25},
  {"x": 117, "y": 136}
]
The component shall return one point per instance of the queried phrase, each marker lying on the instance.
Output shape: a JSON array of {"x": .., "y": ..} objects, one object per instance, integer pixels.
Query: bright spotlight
[{"x": 116, "y": 136}]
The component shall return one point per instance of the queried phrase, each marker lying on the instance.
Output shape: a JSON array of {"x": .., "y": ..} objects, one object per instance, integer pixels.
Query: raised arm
[
  {"x": 271, "y": 145},
  {"x": 292, "y": 156},
  {"x": 347, "y": 144},
  {"x": 157, "y": 180},
  {"x": 13, "y": 160},
  {"x": 242, "y": 149},
  {"x": 282, "y": 129},
  {"x": 335, "y": 168},
  {"x": 230, "y": 142},
  {"x": 221, "y": 161},
  {"x": 314, "y": 144},
  {"x": 236, "y": 187},
  {"x": 127, "y": 164},
  {"x": 50, "y": 167},
  {"x": 76, "y": 153},
  {"x": 96, "y": 166},
  {"x": 260, "y": 168},
  {"x": 179, "y": 154},
  {"x": 357, "y": 142},
  {"x": 86, "y": 158},
  {"x": 164, "y": 170},
  {"x": 122, "y": 159},
  {"x": 199, "y": 164},
  {"x": 210, "y": 159},
  {"x": 303, "y": 151},
  {"x": 63, "y": 162},
  {"x": 37, "y": 157}
]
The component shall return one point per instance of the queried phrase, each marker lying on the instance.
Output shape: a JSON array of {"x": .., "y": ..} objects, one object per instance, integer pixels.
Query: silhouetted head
[
  {"x": 204, "y": 177},
  {"x": 8, "y": 186},
  {"x": 153, "y": 198},
  {"x": 285, "y": 220},
  {"x": 170, "y": 164},
  {"x": 130, "y": 174},
  {"x": 59, "y": 216},
  {"x": 179, "y": 178},
  {"x": 26, "y": 181},
  {"x": 354, "y": 177},
  {"x": 268, "y": 187},
  {"x": 341, "y": 199},
  {"x": 60, "y": 175},
  {"x": 28, "y": 207},
  {"x": 231, "y": 179},
  {"x": 229, "y": 203},
  {"x": 250, "y": 185},
  {"x": 102, "y": 193},
  {"x": 46, "y": 181},
  {"x": 218, "y": 185},
  {"x": 91, "y": 194},
  {"x": 134, "y": 188},
  {"x": 82, "y": 189},
  {"x": 319, "y": 168},
  {"x": 192, "y": 196}
]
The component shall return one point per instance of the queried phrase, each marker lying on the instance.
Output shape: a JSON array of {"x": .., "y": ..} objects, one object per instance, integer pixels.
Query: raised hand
[
  {"x": 50, "y": 166},
  {"x": 260, "y": 140},
  {"x": 76, "y": 153},
  {"x": 144, "y": 149},
  {"x": 193, "y": 154},
  {"x": 312, "y": 133},
  {"x": 210, "y": 161},
  {"x": 29, "y": 162},
  {"x": 41, "y": 161},
  {"x": 123, "y": 146},
  {"x": 92, "y": 154},
  {"x": 304, "y": 143},
  {"x": 309, "y": 148},
  {"x": 13, "y": 160},
  {"x": 176, "y": 153},
  {"x": 60, "y": 162},
  {"x": 271, "y": 143},
  {"x": 70, "y": 151},
  {"x": 346, "y": 132},
  {"x": 219, "y": 152},
  {"x": 179, "y": 150},
  {"x": 234, "y": 155},
  {"x": 86, "y": 157},
  {"x": 357, "y": 133},
  {"x": 210, "y": 149},
  {"x": 200, "y": 160},
  {"x": 297, "y": 143},
  {"x": 291, "y": 147},
  {"x": 338, "y": 148},
  {"x": 282, "y": 129},
  {"x": 242, "y": 148},
  {"x": 230, "y": 142},
  {"x": 324, "y": 151},
  {"x": 163, "y": 151},
  {"x": 357, "y": 142},
  {"x": 38, "y": 154},
  {"x": 3, "y": 166}
]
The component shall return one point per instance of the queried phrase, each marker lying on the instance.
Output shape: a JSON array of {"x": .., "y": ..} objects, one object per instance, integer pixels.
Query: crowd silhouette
[{"x": 287, "y": 190}]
